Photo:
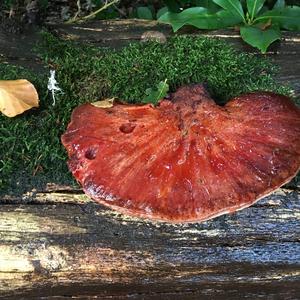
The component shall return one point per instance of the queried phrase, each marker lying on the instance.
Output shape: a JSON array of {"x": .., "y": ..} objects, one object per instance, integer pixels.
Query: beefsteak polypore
[{"x": 187, "y": 159}]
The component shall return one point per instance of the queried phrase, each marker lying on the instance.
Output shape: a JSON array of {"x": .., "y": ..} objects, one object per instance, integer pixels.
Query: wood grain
[{"x": 54, "y": 245}]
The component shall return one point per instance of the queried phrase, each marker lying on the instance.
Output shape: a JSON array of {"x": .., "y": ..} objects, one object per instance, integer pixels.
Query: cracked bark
[{"x": 65, "y": 244}]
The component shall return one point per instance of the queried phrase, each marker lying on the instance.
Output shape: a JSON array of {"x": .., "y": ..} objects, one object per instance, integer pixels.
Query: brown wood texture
[
  {"x": 60, "y": 244},
  {"x": 57, "y": 244}
]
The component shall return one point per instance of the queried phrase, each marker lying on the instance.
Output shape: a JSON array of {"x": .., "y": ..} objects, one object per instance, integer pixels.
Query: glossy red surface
[{"x": 187, "y": 159}]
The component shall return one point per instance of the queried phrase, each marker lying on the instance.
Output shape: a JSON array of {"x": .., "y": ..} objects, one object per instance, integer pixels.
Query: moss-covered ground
[{"x": 31, "y": 153}]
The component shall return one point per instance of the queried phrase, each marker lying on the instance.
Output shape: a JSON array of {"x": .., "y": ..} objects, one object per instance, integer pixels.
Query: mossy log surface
[
  {"x": 118, "y": 33},
  {"x": 56, "y": 243}
]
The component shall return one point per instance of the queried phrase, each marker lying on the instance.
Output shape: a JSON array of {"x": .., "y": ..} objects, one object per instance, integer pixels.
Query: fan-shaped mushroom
[{"x": 188, "y": 159}]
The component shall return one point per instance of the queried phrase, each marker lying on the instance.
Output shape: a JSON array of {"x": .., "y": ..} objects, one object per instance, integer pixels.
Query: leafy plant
[
  {"x": 154, "y": 95},
  {"x": 259, "y": 26}
]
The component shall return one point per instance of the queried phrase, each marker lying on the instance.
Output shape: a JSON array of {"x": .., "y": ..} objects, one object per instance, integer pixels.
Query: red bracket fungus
[{"x": 188, "y": 159}]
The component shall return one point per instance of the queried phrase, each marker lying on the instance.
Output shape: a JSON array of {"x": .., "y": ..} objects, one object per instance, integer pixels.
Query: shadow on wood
[{"x": 59, "y": 247}]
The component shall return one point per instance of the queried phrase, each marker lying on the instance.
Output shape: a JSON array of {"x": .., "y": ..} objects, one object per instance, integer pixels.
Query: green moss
[
  {"x": 30, "y": 143},
  {"x": 128, "y": 73}
]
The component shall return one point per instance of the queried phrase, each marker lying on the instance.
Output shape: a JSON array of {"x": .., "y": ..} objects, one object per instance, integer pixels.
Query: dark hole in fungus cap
[
  {"x": 91, "y": 153},
  {"x": 127, "y": 127},
  {"x": 187, "y": 159}
]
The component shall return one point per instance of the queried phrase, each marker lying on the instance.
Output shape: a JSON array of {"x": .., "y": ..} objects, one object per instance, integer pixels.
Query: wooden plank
[
  {"x": 108, "y": 33},
  {"x": 69, "y": 247}
]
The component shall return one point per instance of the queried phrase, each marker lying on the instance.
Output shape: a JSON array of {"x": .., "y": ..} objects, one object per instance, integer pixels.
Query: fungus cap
[{"x": 187, "y": 159}]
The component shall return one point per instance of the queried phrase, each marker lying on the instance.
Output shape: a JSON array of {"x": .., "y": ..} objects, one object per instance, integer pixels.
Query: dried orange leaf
[
  {"x": 106, "y": 103},
  {"x": 16, "y": 96}
]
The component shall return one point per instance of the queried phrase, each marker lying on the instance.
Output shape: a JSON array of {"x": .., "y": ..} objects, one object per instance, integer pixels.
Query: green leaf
[
  {"x": 187, "y": 16},
  {"x": 161, "y": 11},
  {"x": 225, "y": 19},
  {"x": 287, "y": 17},
  {"x": 254, "y": 6},
  {"x": 259, "y": 38},
  {"x": 279, "y": 4},
  {"x": 234, "y": 6},
  {"x": 211, "y": 6},
  {"x": 154, "y": 95},
  {"x": 201, "y": 18},
  {"x": 144, "y": 12}
]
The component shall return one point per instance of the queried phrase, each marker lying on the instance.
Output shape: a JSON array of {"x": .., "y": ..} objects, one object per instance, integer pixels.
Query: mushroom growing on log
[{"x": 187, "y": 159}]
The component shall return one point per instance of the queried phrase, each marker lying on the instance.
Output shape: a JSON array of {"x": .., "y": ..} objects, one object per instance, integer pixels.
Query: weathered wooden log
[{"x": 55, "y": 246}]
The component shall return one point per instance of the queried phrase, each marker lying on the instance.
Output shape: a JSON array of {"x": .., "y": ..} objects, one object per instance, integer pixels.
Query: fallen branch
[{"x": 91, "y": 15}]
